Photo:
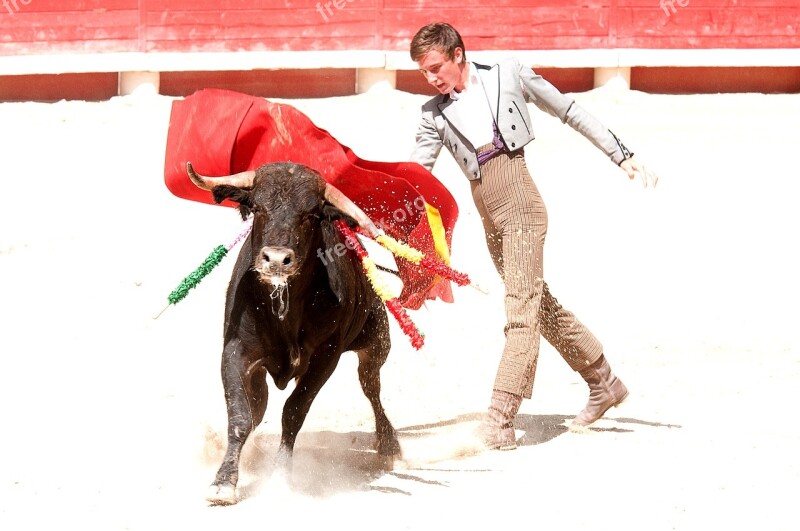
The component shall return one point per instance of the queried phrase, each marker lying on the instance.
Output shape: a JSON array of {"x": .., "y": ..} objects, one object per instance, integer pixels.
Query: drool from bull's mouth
[{"x": 281, "y": 293}]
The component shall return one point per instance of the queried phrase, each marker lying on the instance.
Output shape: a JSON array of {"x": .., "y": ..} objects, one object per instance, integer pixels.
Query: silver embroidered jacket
[{"x": 509, "y": 86}]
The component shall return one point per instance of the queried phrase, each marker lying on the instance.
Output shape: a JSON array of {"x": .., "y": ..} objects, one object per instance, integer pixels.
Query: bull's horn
[
  {"x": 240, "y": 180},
  {"x": 343, "y": 203}
]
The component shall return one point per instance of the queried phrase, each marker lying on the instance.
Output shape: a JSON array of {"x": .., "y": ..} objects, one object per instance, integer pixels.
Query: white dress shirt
[{"x": 473, "y": 109}]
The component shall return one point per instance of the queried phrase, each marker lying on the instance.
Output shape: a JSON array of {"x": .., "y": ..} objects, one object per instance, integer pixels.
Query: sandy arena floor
[{"x": 114, "y": 421}]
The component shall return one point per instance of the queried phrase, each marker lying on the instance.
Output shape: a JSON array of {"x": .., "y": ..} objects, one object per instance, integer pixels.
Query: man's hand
[{"x": 634, "y": 169}]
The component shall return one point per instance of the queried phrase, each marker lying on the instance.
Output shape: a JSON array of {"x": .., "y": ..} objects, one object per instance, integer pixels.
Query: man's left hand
[{"x": 635, "y": 169}]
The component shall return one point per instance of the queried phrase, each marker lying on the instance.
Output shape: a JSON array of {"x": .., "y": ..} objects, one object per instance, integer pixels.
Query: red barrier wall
[{"x": 48, "y": 26}]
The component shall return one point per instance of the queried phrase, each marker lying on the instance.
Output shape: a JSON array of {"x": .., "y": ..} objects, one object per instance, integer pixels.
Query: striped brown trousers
[{"x": 515, "y": 220}]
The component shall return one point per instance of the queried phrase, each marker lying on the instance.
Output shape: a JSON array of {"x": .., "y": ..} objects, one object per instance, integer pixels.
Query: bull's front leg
[
  {"x": 244, "y": 381},
  {"x": 296, "y": 408}
]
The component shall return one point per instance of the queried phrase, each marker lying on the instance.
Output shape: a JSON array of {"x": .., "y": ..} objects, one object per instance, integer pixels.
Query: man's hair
[{"x": 439, "y": 36}]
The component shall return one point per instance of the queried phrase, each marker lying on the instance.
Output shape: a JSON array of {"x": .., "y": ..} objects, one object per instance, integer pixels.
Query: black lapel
[{"x": 497, "y": 107}]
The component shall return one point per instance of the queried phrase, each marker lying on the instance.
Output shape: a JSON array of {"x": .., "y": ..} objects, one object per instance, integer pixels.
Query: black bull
[{"x": 291, "y": 311}]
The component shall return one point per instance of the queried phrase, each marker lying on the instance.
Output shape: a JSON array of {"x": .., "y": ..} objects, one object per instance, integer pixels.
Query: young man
[{"x": 481, "y": 116}]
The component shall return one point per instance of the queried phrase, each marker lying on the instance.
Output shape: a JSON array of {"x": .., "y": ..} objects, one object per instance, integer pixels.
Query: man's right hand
[{"x": 635, "y": 169}]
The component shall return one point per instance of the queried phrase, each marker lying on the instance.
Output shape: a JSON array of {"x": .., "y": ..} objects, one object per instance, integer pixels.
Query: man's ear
[{"x": 235, "y": 194}]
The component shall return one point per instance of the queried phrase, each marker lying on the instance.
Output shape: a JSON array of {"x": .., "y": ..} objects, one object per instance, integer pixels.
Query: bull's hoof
[
  {"x": 386, "y": 463},
  {"x": 283, "y": 462},
  {"x": 388, "y": 445},
  {"x": 221, "y": 495}
]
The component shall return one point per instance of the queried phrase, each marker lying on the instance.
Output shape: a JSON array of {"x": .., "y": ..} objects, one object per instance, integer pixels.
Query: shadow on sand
[{"x": 327, "y": 463}]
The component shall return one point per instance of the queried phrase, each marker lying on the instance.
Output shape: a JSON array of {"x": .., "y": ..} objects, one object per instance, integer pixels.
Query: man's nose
[{"x": 430, "y": 77}]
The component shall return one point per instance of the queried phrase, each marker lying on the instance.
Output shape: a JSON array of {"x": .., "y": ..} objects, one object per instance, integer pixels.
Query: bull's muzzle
[{"x": 276, "y": 264}]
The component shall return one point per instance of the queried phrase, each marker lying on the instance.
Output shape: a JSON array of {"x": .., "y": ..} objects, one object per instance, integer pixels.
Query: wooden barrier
[{"x": 47, "y": 41}]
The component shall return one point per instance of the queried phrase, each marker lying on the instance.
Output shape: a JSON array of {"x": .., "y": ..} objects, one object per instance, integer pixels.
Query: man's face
[{"x": 443, "y": 73}]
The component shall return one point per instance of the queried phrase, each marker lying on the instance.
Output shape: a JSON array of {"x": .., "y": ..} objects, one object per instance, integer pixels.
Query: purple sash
[{"x": 498, "y": 148}]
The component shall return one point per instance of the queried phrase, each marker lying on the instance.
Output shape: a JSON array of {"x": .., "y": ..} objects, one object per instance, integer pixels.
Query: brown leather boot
[
  {"x": 605, "y": 391},
  {"x": 497, "y": 428}
]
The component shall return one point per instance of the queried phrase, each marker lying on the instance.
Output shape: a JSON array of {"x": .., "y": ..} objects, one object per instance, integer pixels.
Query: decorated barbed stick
[
  {"x": 396, "y": 247},
  {"x": 415, "y": 256},
  {"x": 211, "y": 261},
  {"x": 395, "y": 308}
]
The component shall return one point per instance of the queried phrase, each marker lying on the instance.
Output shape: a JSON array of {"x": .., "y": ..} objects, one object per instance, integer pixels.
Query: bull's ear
[
  {"x": 338, "y": 265},
  {"x": 235, "y": 194},
  {"x": 331, "y": 213}
]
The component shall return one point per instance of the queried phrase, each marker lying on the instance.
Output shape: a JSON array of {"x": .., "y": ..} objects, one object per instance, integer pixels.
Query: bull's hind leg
[
  {"x": 244, "y": 380},
  {"x": 371, "y": 358}
]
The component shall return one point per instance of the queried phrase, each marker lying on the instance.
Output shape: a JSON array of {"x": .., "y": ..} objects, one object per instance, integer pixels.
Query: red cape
[{"x": 222, "y": 132}]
